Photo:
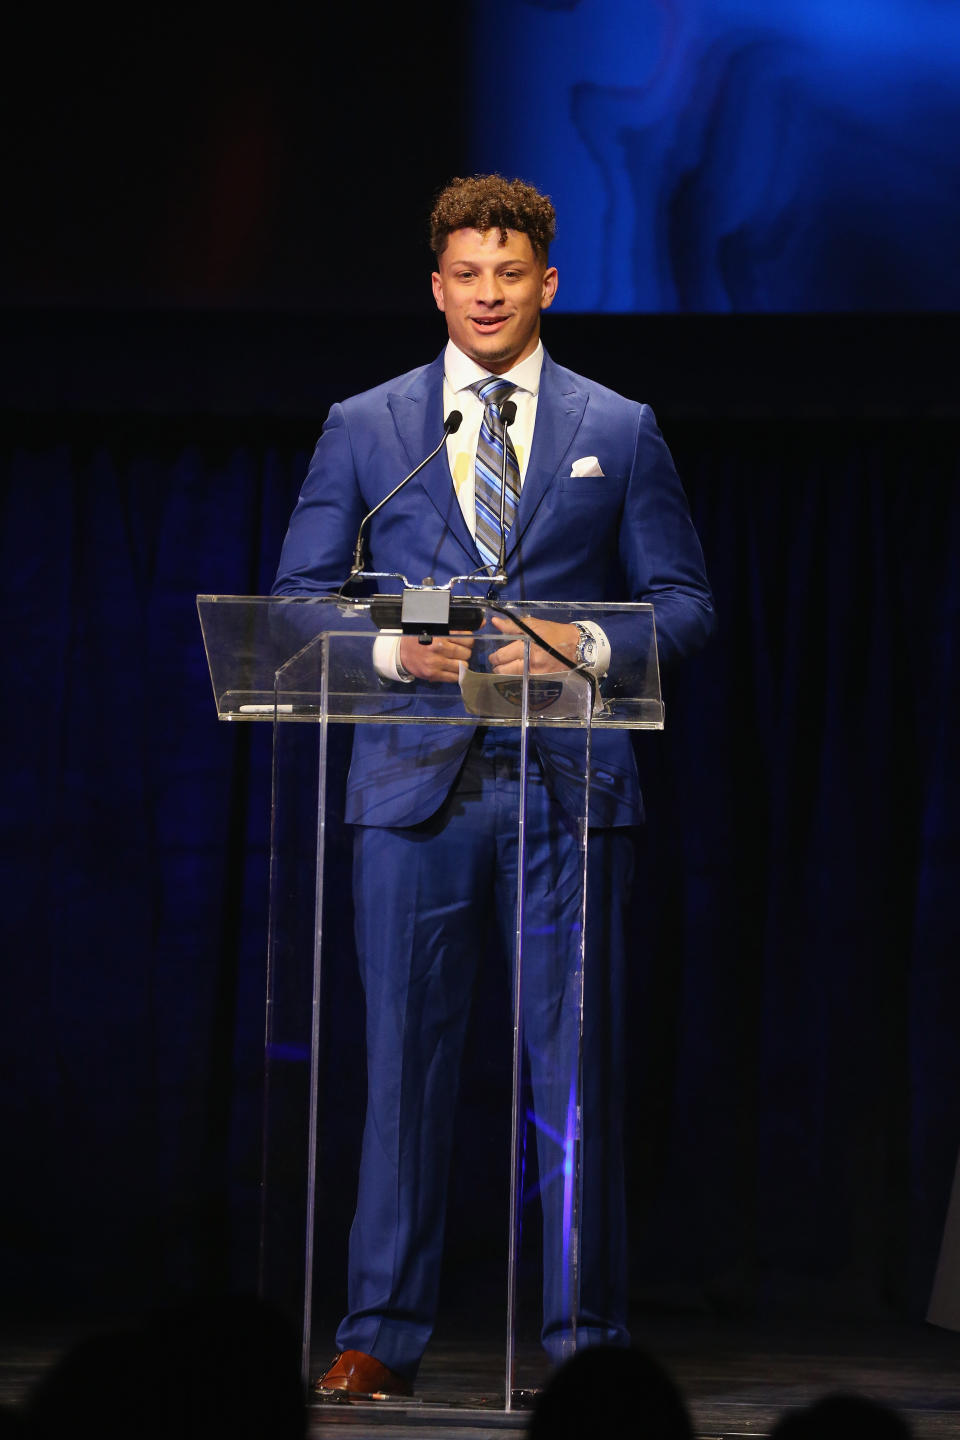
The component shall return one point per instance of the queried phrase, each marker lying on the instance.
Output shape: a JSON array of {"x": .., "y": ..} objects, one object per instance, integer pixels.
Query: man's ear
[
  {"x": 437, "y": 289},
  {"x": 550, "y": 281}
]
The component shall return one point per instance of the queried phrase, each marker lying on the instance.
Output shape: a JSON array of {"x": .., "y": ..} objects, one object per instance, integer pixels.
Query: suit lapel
[
  {"x": 418, "y": 415},
  {"x": 560, "y": 407},
  {"x": 417, "y": 412}
]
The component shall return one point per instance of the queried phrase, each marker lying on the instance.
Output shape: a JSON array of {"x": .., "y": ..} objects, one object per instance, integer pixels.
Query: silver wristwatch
[{"x": 586, "y": 646}]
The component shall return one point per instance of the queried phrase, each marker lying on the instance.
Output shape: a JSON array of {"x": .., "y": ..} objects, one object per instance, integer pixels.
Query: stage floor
[{"x": 737, "y": 1378}]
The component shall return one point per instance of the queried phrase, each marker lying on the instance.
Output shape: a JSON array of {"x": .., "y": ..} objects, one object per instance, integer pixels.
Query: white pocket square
[{"x": 587, "y": 465}]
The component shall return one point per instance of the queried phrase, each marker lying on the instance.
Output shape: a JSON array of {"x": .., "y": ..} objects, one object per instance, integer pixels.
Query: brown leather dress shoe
[{"x": 359, "y": 1375}]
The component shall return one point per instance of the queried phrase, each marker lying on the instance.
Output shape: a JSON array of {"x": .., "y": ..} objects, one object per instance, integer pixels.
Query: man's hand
[
  {"x": 509, "y": 659},
  {"x": 440, "y": 660}
]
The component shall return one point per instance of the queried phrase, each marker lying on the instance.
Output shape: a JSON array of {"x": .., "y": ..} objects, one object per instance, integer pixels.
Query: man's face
[{"x": 492, "y": 295}]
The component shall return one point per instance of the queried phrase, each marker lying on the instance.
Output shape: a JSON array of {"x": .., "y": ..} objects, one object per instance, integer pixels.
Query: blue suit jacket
[{"x": 623, "y": 536}]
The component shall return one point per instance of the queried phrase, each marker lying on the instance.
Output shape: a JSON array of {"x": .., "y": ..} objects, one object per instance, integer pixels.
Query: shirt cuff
[{"x": 386, "y": 657}]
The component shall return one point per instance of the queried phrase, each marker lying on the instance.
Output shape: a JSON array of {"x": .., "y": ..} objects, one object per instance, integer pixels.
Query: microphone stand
[{"x": 450, "y": 427}]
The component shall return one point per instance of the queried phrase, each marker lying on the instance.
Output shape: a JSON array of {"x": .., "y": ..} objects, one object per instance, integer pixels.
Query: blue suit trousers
[{"x": 424, "y": 896}]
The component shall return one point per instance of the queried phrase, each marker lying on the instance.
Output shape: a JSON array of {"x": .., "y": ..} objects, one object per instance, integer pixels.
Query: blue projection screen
[{"x": 732, "y": 155}]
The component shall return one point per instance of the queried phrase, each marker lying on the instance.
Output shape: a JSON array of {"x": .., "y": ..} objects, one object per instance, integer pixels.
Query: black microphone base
[{"x": 425, "y": 610}]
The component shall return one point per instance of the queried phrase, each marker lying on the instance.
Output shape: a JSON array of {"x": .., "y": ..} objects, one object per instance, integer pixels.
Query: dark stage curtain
[{"x": 793, "y": 1096}]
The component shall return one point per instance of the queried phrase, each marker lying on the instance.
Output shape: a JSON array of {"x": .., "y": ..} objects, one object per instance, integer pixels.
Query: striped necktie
[{"x": 492, "y": 392}]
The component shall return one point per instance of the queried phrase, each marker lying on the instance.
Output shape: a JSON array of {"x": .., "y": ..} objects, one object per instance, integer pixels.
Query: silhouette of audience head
[
  {"x": 842, "y": 1416},
  {"x": 13, "y": 1425},
  {"x": 611, "y": 1391},
  {"x": 100, "y": 1385},
  {"x": 225, "y": 1366}
]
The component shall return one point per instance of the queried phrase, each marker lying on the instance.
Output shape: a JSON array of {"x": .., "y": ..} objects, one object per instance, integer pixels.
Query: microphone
[
  {"x": 508, "y": 413},
  {"x": 450, "y": 427}
]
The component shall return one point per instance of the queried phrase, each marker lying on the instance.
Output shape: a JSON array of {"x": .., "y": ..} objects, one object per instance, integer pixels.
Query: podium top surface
[{"x": 320, "y": 658}]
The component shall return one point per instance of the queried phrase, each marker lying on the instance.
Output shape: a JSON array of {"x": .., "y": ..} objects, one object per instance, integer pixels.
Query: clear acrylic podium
[{"x": 308, "y": 668}]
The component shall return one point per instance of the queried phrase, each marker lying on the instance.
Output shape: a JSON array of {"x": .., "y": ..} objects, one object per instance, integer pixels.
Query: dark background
[{"x": 214, "y": 232}]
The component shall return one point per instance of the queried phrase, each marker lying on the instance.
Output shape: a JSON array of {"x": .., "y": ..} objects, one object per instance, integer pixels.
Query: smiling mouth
[{"x": 488, "y": 322}]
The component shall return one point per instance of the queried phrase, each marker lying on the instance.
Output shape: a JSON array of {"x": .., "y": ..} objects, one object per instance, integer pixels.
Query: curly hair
[{"x": 488, "y": 202}]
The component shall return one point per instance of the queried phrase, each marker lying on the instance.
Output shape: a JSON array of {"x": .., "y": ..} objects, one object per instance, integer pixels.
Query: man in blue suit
[{"x": 594, "y": 513}]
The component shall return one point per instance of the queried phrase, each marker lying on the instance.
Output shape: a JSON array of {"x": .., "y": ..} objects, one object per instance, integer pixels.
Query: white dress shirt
[{"x": 459, "y": 373}]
